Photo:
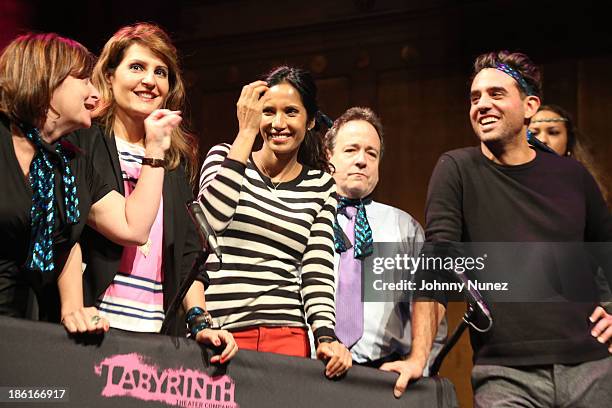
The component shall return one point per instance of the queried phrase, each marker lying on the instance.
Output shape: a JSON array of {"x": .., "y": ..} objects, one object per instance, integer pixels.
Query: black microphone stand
[
  {"x": 198, "y": 267},
  {"x": 454, "y": 338}
]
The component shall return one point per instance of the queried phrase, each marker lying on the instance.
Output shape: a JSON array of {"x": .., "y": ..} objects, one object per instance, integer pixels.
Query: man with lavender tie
[{"x": 377, "y": 333}]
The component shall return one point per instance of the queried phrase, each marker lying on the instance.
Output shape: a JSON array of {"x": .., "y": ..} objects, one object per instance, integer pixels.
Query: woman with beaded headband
[
  {"x": 554, "y": 127},
  {"x": 45, "y": 93},
  {"x": 133, "y": 286},
  {"x": 273, "y": 210}
]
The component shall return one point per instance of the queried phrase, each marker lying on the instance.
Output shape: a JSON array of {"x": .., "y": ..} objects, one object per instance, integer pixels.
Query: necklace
[{"x": 267, "y": 173}]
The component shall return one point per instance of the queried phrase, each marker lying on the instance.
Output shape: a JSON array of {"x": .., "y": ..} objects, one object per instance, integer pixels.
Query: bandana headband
[{"x": 528, "y": 89}]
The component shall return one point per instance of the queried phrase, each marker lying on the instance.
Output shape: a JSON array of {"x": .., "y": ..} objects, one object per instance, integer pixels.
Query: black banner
[{"x": 41, "y": 363}]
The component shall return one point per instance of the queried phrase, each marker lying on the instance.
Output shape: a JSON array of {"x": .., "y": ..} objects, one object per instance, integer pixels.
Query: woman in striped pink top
[{"x": 133, "y": 286}]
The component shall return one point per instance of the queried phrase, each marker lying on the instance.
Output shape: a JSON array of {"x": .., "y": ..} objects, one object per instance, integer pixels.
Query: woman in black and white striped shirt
[{"x": 274, "y": 210}]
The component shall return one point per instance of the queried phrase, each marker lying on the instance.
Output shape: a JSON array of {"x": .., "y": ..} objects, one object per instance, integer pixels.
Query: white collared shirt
[{"x": 387, "y": 324}]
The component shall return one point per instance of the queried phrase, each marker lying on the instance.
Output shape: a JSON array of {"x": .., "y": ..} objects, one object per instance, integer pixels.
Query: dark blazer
[{"x": 181, "y": 242}]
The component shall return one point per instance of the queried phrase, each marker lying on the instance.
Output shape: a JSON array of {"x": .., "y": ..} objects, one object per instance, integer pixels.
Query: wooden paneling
[
  {"x": 458, "y": 363},
  {"x": 423, "y": 117},
  {"x": 14, "y": 18},
  {"x": 595, "y": 109},
  {"x": 408, "y": 60},
  {"x": 216, "y": 120},
  {"x": 333, "y": 96}
]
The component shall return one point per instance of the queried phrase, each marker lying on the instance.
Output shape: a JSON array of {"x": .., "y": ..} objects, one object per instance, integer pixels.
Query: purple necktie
[{"x": 349, "y": 308}]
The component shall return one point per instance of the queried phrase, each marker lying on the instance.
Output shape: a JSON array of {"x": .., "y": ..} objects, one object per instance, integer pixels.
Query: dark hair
[
  {"x": 311, "y": 152},
  {"x": 518, "y": 62},
  {"x": 32, "y": 67},
  {"x": 355, "y": 113},
  {"x": 578, "y": 148},
  {"x": 573, "y": 142}
]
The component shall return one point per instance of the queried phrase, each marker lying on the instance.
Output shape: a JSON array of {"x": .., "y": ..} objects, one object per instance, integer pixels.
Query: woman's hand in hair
[{"x": 249, "y": 108}]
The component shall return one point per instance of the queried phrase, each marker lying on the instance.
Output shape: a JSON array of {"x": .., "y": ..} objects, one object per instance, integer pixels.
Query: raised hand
[
  {"x": 249, "y": 110},
  {"x": 250, "y": 106},
  {"x": 158, "y": 128}
]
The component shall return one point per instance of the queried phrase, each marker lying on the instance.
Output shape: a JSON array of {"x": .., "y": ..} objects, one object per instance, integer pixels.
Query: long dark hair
[
  {"x": 311, "y": 152},
  {"x": 578, "y": 148}
]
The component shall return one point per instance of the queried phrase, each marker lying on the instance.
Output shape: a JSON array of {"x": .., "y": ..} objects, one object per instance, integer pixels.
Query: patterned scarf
[
  {"x": 42, "y": 180},
  {"x": 364, "y": 244}
]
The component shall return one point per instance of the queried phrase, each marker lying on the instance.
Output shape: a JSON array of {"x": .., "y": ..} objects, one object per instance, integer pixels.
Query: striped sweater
[{"x": 277, "y": 245}]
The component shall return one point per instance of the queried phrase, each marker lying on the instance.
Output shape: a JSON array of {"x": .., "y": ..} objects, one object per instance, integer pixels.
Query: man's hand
[
  {"x": 408, "y": 370},
  {"x": 602, "y": 330}
]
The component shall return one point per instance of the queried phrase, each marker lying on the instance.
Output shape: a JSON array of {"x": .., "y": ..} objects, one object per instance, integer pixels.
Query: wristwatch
[{"x": 150, "y": 161}]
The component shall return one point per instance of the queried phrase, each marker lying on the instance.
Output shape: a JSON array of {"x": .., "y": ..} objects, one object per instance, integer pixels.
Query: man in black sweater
[{"x": 537, "y": 353}]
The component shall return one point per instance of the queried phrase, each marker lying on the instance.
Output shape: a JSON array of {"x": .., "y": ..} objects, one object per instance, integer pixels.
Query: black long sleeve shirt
[{"x": 549, "y": 199}]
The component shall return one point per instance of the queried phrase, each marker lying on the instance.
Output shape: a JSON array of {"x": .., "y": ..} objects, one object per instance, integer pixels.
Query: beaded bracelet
[
  {"x": 198, "y": 327},
  {"x": 198, "y": 319},
  {"x": 192, "y": 313}
]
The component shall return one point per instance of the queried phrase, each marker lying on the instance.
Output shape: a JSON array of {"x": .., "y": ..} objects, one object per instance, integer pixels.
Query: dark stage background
[{"x": 409, "y": 60}]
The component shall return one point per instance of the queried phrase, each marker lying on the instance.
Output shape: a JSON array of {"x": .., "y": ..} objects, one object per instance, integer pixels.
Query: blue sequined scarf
[
  {"x": 364, "y": 244},
  {"x": 42, "y": 213}
]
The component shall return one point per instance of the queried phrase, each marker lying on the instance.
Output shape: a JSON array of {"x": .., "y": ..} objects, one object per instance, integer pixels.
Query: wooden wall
[
  {"x": 410, "y": 61},
  {"x": 407, "y": 59}
]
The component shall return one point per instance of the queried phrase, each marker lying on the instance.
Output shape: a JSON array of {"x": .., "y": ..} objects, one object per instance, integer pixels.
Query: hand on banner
[
  {"x": 338, "y": 356},
  {"x": 602, "y": 330},
  {"x": 407, "y": 370},
  {"x": 85, "y": 320},
  {"x": 218, "y": 338}
]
